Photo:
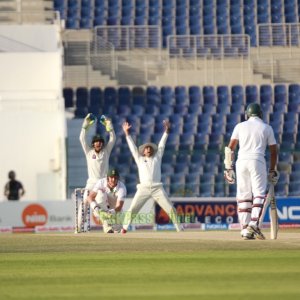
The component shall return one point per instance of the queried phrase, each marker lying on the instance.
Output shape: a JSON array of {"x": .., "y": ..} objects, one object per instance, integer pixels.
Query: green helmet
[
  {"x": 113, "y": 172},
  {"x": 253, "y": 110}
]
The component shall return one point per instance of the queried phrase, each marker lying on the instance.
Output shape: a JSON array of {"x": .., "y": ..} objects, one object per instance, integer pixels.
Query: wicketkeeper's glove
[
  {"x": 89, "y": 120},
  {"x": 273, "y": 177},
  {"x": 229, "y": 176},
  {"x": 107, "y": 123}
]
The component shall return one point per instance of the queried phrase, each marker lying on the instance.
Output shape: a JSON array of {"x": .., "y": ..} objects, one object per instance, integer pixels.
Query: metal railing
[
  {"x": 209, "y": 46},
  {"x": 211, "y": 56},
  {"x": 103, "y": 56},
  {"x": 277, "y": 56},
  {"x": 127, "y": 38},
  {"x": 279, "y": 35}
]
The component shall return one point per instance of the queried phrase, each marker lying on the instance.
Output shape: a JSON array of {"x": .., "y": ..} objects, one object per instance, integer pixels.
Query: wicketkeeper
[
  {"x": 148, "y": 160},
  {"x": 253, "y": 136},
  {"x": 107, "y": 200},
  {"x": 97, "y": 156}
]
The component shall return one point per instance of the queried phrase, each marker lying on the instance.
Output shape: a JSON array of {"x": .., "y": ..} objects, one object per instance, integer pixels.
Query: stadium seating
[
  {"x": 185, "y": 17},
  {"x": 197, "y": 138}
]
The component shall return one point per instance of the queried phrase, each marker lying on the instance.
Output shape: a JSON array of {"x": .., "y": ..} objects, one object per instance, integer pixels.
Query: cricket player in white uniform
[
  {"x": 97, "y": 156},
  {"x": 107, "y": 199},
  {"x": 148, "y": 159},
  {"x": 253, "y": 137}
]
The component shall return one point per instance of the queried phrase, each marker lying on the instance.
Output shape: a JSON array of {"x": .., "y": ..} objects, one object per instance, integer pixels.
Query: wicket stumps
[{"x": 85, "y": 225}]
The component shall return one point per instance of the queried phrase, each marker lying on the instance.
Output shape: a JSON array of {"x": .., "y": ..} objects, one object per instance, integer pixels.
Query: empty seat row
[{"x": 241, "y": 17}]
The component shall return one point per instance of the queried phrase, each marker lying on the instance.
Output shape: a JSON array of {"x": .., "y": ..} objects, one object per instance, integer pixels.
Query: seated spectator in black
[{"x": 13, "y": 189}]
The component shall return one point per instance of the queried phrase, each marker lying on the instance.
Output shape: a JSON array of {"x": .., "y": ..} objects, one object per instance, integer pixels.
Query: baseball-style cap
[
  {"x": 142, "y": 148},
  {"x": 113, "y": 172}
]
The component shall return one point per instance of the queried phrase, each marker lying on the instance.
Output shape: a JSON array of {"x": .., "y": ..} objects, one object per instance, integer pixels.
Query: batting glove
[
  {"x": 229, "y": 176},
  {"x": 88, "y": 121},
  {"x": 273, "y": 177}
]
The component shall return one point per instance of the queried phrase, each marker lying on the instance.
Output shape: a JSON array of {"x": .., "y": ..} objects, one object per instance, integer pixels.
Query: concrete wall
[{"x": 32, "y": 118}]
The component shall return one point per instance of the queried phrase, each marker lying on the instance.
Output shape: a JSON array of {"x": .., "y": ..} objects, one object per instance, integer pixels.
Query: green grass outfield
[{"x": 149, "y": 265}]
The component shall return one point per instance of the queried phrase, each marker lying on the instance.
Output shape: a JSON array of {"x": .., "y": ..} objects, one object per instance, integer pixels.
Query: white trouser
[
  {"x": 251, "y": 190},
  {"x": 158, "y": 194}
]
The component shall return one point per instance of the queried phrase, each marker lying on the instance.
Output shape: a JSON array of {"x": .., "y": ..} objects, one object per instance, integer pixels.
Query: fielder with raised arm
[
  {"x": 253, "y": 137},
  {"x": 111, "y": 194},
  {"x": 148, "y": 160},
  {"x": 97, "y": 156}
]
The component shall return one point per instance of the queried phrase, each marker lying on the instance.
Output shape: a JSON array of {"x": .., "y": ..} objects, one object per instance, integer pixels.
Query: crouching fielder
[
  {"x": 253, "y": 136},
  {"x": 148, "y": 159},
  {"x": 107, "y": 200}
]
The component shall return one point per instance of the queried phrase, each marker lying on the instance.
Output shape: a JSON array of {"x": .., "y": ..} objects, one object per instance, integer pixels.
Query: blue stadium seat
[
  {"x": 167, "y": 95},
  {"x": 237, "y": 108},
  {"x": 110, "y": 96},
  {"x": 68, "y": 94},
  {"x": 153, "y": 95},
  {"x": 280, "y": 93},
  {"x": 263, "y": 17},
  {"x": 186, "y": 141},
  {"x": 124, "y": 95},
  {"x": 266, "y": 93},
  {"x": 181, "y": 96},
  {"x": 147, "y": 120},
  {"x": 123, "y": 110},
  {"x": 287, "y": 140},
  {"x": 279, "y": 107},
  {"x": 138, "y": 96},
  {"x": 82, "y": 96},
  {"x": 152, "y": 109},
  {"x": 137, "y": 110},
  {"x": 190, "y": 128},
  {"x": 167, "y": 169},
  {"x": 172, "y": 142},
  {"x": 209, "y": 96},
  {"x": 294, "y": 177},
  {"x": 294, "y": 189},
  {"x": 85, "y": 23},
  {"x": 166, "y": 109},
  {"x": 251, "y": 92},
  {"x": 81, "y": 102},
  {"x": 281, "y": 189},
  {"x": 72, "y": 23},
  {"x": 294, "y": 93},
  {"x": 96, "y": 100},
  {"x": 98, "y": 21},
  {"x": 233, "y": 118},
  {"x": 176, "y": 120},
  {"x": 237, "y": 94},
  {"x": 59, "y": 5},
  {"x": 194, "y": 95}
]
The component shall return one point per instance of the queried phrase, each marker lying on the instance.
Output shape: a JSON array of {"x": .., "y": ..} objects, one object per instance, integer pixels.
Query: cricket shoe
[
  {"x": 110, "y": 231},
  {"x": 256, "y": 232}
]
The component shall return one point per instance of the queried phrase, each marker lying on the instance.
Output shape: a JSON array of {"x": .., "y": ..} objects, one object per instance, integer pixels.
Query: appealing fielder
[
  {"x": 110, "y": 193},
  {"x": 148, "y": 160},
  {"x": 253, "y": 136},
  {"x": 97, "y": 156}
]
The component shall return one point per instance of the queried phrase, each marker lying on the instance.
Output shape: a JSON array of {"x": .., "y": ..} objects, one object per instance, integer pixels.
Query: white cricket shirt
[
  {"x": 118, "y": 193},
  {"x": 97, "y": 163},
  {"x": 149, "y": 168},
  {"x": 254, "y": 136}
]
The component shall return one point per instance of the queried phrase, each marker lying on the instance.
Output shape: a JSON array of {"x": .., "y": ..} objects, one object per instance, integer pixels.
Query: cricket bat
[{"x": 273, "y": 213}]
